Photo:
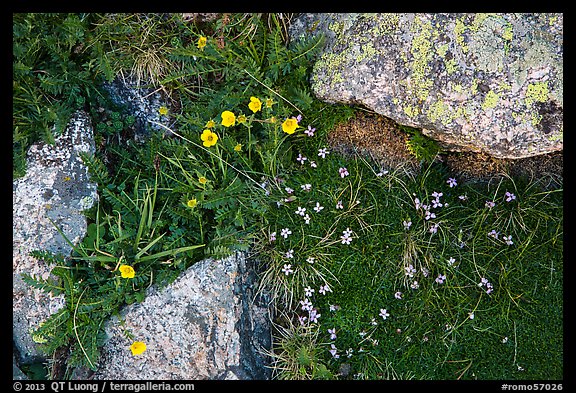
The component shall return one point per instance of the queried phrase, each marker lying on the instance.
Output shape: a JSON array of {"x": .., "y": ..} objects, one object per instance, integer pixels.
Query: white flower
[
  {"x": 310, "y": 260},
  {"x": 285, "y": 232},
  {"x": 287, "y": 269},
  {"x": 322, "y": 152},
  {"x": 318, "y": 207},
  {"x": 301, "y": 211},
  {"x": 383, "y": 313}
]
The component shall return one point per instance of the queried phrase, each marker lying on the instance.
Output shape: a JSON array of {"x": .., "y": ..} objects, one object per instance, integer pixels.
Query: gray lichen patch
[
  {"x": 204, "y": 325},
  {"x": 54, "y": 191},
  {"x": 488, "y": 82}
]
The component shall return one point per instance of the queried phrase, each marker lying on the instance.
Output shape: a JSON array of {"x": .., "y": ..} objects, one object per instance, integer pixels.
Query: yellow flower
[
  {"x": 238, "y": 147},
  {"x": 289, "y": 125},
  {"x": 269, "y": 102},
  {"x": 255, "y": 104},
  {"x": 209, "y": 138},
  {"x": 228, "y": 119},
  {"x": 201, "y": 43},
  {"x": 241, "y": 119},
  {"x": 192, "y": 203},
  {"x": 202, "y": 180},
  {"x": 126, "y": 271},
  {"x": 272, "y": 119},
  {"x": 163, "y": 111},
  {"x": 211, "y": 124},
  {"x": 137, "y": 347}
]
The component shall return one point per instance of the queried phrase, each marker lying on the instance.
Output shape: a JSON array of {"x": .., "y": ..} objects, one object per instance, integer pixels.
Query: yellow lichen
[
  {"x": 490, "y": 100},
  {"x": 507, "y": 34},
  {"x": 411, "y": 111},
  {"x": 421, "y": 54},
  {"x": 536, "y": 92}
]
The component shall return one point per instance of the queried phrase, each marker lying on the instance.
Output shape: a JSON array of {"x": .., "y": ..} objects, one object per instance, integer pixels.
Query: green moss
[{"x": 490, "y": 100}]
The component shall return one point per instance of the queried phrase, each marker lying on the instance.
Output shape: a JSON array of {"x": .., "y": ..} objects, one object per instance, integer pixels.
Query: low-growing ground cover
[{"x": 377, "y": 271}]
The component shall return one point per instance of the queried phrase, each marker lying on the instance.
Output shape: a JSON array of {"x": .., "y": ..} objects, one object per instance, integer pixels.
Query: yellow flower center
[
  {"x": 192, "y": 203},
  {"x": 209, "y": 138}
]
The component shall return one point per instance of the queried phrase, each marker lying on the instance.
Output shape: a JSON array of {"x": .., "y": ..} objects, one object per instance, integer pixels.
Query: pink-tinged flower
[
  {"x": 440, "y": 279},
  {"x": 306, "y": 304},
  {"x": 451, "y": 261},
  {"x": 322, "y": 152},
  {"x": 463, "y": 197},
  {"x": 493, "y": 234},
  {"x": 452, "y": 182},
  {"x": 490, "y": 204},
  {"x": 318, "y": 207},
  {"x": 407, "y": 224},
  {"x": 339, "y": 205},
  {"x": 306, "y": 187},
  {"x": 307, "y": 219},
  {"x": 323, "y": 289},
  {"x": 301, "y": 159},
  {"x": 332, "y": 333},
  {"x": 434, "y": 228},
  {"x": 308, "y": 291},
  {"x": 334, "y": 351},
  {"x": 409, "y": 270},
  {"x": 346, "y": 239},
  {"x": 289, "y": 190},
  {"x": 285, "y": 232},
  {"x": 510, "y": 196},
  {"x": 383, "y": 313},
  {"x": 508, "y": 240},
  {"x": 343, "y": 172},
  {"x": 289, "y": 254},
  {"x": 334, "y": 307},
  {"x": 425, "y": 272},
  {"x": 272, "y": 236},
  {"x": 314, "y": 315},
  {"x": 287, "y": 269},
  {"x": 302, "y": 319},
  {"x": 398, "y": 295},
  {"x": 417, "y": 203},
  {"x": 415, "y": 285},
  {"x": 310, "y": 131}
]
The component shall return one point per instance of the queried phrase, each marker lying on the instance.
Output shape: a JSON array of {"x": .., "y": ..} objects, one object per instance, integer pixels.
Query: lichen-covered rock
[
  {"x": 483, "y": 82},
  {"x": 207, "y": 324},
  {"x": 56, "y": 187}
]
